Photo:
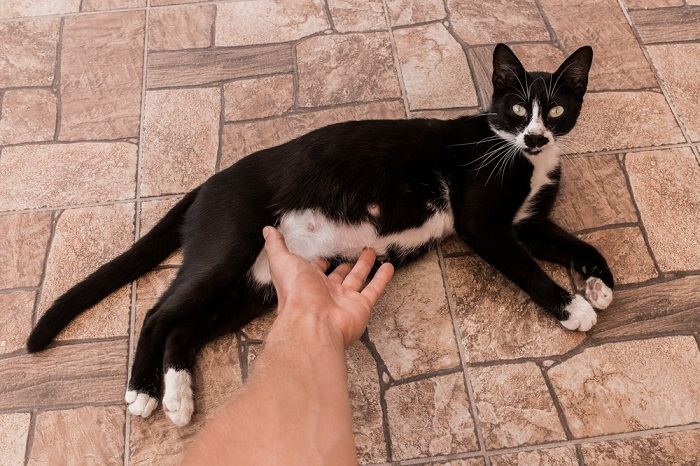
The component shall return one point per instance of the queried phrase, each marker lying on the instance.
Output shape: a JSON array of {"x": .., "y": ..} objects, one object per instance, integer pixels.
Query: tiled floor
[{"x": 100, "y": 135}]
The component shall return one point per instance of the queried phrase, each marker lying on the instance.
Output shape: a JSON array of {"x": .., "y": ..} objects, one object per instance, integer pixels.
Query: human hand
[{"x": 341, "y": 300}]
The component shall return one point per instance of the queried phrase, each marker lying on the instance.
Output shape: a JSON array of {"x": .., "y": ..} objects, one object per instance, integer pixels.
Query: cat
[{"x": 397, "y": 186}]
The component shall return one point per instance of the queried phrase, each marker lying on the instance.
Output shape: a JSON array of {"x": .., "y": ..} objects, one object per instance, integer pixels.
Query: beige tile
[
  {"x": 173, "y": 2},
  {"x": 502, "y": 21},
  {"x": 498, "y": 320},
  {"x": 667, "y": 25},
  {"x": 149, "y": 289},
  {"x": 562, "y": 456},
  {"x": 357, "y": 15},
  {"x": 447, "y": 114},
  {"x": 464, "y": 462},
  {"x": 430, "y": 417},
  {"x": 49, "y": 175},
  {"x": 652, "y": 3},
  {"x": 258, "y": 97},
  {"x": 98, "y": 5},
  {"x": 666, "y": 186},
  {"x": 16, "y": 319},
  {"x": 678, "y": 66},
  {"x": 14, "y": 429},
  {"x": 28, "y": 115},
  {"x": 260, "y": 327},
  {"x": 28, "y": 52},
  {"x": 19, "y": 8},
  {"x": 673, "y": 448},
  {"x": 454, "y": 245},
  {"x": 151, "y": 213},
  {"x": 346, "y": 68},
  {"x": 403, "y": 12},
  {"x": 23, "y": 242},
  {"x": 434, "y": 68},
  {"x": 411, "y": 325},
  {"x": 514, "y": 406},
  {"x": 629, "y": 386},
  {"x": 84, "y": 240},
  {"x": 268, "y": 21},
  {"x": 180, "y": 148},
  {"x": 183, "y": 27},
  {"x": 89, "y": 435}
]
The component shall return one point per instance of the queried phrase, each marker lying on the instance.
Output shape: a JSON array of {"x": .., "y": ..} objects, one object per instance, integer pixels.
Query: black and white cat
[{"x": 397, "y": 186}]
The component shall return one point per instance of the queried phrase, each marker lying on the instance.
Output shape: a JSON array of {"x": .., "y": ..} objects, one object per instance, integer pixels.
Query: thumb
[{"x": 274, "y": 242}]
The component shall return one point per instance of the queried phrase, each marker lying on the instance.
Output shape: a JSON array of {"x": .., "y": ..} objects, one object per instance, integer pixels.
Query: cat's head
[{"x": 533, "y": 109}]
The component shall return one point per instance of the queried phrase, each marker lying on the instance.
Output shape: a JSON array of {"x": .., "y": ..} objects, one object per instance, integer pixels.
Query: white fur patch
[
  {"x": 543, "y": 164},
  {"x": 140, "y": 404},
  {"x": 598, "y": 293},
  {"x": 178, "y": 401},
  {"x": 581, "y": 315}
]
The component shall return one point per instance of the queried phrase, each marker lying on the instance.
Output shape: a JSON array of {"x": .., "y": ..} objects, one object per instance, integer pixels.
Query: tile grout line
[
  {"x": 30, "y": 436},
  {"x": 558, "y": 408},
  {"x": 55, "y": 217},
  {"x": 222, "y": 118},
  {"x": 550, "y": 29},
  {"x": 56, "y": 84},
  {"x": 397, "y": 61}
]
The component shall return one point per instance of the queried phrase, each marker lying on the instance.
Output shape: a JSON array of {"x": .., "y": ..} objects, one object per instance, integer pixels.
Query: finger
[
  {"x": 357, "y": 276},
  {"x": 340, "y": 273},
  {"x": 320, "y": 263},
  {"x": 375, "y": 288},
  {"x": 274, "y": 242}
]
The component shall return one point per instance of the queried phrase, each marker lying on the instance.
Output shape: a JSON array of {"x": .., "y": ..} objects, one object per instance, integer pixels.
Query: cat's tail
[{"x": 144, "y": 255}]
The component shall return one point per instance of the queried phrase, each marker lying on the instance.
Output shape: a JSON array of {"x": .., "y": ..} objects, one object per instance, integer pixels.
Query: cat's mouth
[{"x": 532, "y": 150}]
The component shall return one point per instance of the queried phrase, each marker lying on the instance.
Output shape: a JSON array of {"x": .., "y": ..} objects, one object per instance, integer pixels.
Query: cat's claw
[
  {"x": 582, "y": 317},
  {"x": 140, "y": 404},
  {"x": 178, "y": 403},
  {"x": 598, "y": 293}
]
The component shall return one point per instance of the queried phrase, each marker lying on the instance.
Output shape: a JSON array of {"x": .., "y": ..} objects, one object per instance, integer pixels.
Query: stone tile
[
  {"x": 260, "y": 327},
  {"x": 652, "y": 3},
  {"x": 447, "y": 114},
  {"x": 88, "y": 435},
  {"x": 434, "y": 68},
  {"x": 28, "y": 52},
  {"x": 23, "y": 242},
  {"x": 172, "y": 2},
  {"x": 626, "y": 253},
  {"x": 183, "y": 27},
  {"x": 27, "y": 116},
  {"x": 180, "y": 148},
  {"x": 241, "y": 139},
  {"x": 673, "y": 448},
  {"x": 99, "y": 5},
  {"x": 411, "y": 325},
  {"x": 666, "y": 186},
  {"x": 430, "y": 417},
  {"x": 502, "y": 21},
  {"x": 346, "y": 68},
  {"x": 403, "y": 12},
  {"x": 618, "y": 59},
  {"x": 498, "y": 320},
  {"x": 101, "y": 75},
  {"x": 14, "y": 429},
  {"x": 678, "y": 66},
  {"x": 357, "y": 15},
  {"x": 629, "y": 386},
  {"x": 151, "y": 213},
  {"x": 514, "y": 406},
  {"x": 88, "y": 373},
  {"x": 84, "y": 240},
  {"x": 363, "y": 386},
  {"x": 454, "y": 245},
  {"x": 667, "y": 25},
  {"x": 593, "y": 192},
  {"x": 258, "y": 97},
  {"x": 194, "y": 67},
  {"x": 464, "y": 462},
  {"x": 148, "y": 289},
  {"x": 640, "y": 119},
  {"x": 562, "y": 456},
  {"x": 20, "y": 8},
  {"x": 16, "y": 319},
  {"x": 50, "y": 175},
  {"x": 268, "y": 21}
]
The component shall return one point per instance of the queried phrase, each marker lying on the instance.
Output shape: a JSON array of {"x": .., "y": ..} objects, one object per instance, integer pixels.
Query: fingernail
[{"x": 266, "y": 232}]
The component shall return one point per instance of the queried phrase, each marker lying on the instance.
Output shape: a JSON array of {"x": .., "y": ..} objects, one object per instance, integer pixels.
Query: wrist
[{"x": 309, "y": 328}]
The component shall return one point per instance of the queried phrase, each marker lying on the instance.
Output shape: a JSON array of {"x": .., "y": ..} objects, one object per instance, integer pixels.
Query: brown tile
[
  {"x": 593, "y": 193},
  {"x": 411, "y": 325},
  {"x": 28, "y": 115},
  {"x": 241, "y": 139},
  {"x": 430, "y": 417},
  {"x": 629, "y": 386},
  {"x": 16, "y": 319},
  {"x": 148, "y": 289},
  {"x": 86, "y": 373},
  {"x": 464, "y": 462},
  {"x": 98, "y": 5},
  {"x": 259, "y": 328},
  {"x": 19, "y": 8},
  {"x": 434, "y": 68},
  {"x": 268, "y": 21},
  {"x": 502, "y": 21},
  {"x": 84, "y": 240},
  {"x": 455, "y": 245},
  {"x": 618, "y": 61},
  {"x": 346, "y": 68},
  {"x": 172, "y": 2},
  {"x": 514, "y": 406},
  {"x": 667, "y": 25},
  {"x": 151, "y": 213},
  {"x": 23, "y": 242},
  {"x": 14, "y": 429},
  {"x": 666, "y": 186},
  {"x": 101, "y": 75},
  {"x": 180, "y": 148},
  {"x": 49, "y": 175},
  {"x": 357, "y": 15},
  {"x": 447, "y": 114},
  {"x": 184, "y": 27},
  {"x": 674, "y": 448},
  {"x": 652, "y": 3},
  {"x": 28, "y": 52},
  {"x": 562, "y": 456},
  {"x": 678, "y": 66},
  {"x": 498, "y": 320},
  {"x": 194, "y": 67},
  {"x": 403, "y": 12},
  {"x": 88, "y": 435},
  {"x": 258, "y": 97}
]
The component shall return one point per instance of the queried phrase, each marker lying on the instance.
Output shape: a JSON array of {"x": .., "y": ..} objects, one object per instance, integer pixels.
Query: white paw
[
  {"x": 177, "y": 400},
  {"x": 598, "y": 293},
  {"x": 581, "y": 315},
  {"x": 140, "y": 404}
]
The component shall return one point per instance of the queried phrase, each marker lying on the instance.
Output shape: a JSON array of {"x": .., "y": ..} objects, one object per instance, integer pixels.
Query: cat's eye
[
  {"x": 519, "y": 110},
  {"x": 556, "y": 112}
]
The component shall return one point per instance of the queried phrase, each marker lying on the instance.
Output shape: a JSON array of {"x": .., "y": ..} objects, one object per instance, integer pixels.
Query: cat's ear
[
  {"x": 574, "y": 71},
  {"x": 507, "y": 69}
]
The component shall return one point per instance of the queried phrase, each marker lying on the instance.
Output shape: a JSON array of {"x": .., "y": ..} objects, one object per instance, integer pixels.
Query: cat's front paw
[
  {"x": 581, "y": 315},
  {"x": 178, "y": 402},
  {"x": 598, "y": 293},
  {"x": 140, "y": 404}
]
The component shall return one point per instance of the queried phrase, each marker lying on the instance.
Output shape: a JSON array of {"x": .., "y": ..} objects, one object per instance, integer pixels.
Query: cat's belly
[{"x": 311, "y": 234}]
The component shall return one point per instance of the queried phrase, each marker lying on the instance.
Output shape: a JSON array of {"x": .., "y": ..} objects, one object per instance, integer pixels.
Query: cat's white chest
[{"x": 543, "y": 164}]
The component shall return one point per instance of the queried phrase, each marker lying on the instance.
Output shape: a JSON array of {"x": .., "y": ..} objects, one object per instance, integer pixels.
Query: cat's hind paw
[
  {"x": 582, "y": 317},
  {"x": 178, "y": 403},
  {"x": 140, "y": 404},
  {"x": 598, "y": 293}
]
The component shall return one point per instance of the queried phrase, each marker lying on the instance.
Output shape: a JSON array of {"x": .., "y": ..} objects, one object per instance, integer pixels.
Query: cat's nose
[{"x": 535, "y": 140}]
